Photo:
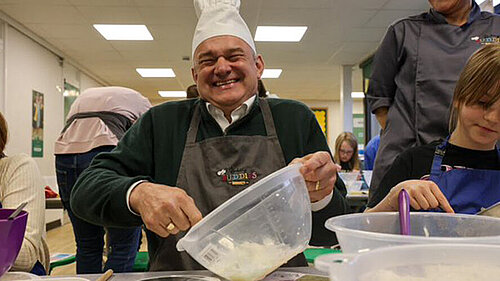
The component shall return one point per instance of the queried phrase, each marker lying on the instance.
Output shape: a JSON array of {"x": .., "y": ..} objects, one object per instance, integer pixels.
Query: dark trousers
[{"x": 123, "y": 242}]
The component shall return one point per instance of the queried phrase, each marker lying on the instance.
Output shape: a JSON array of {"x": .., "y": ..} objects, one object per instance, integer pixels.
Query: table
[
  {"x": 134, "y": 276},
  {"x": 53, "y": 203},
  {"x": 357, "y": 200}
]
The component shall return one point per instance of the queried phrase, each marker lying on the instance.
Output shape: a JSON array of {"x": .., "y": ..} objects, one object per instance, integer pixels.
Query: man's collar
[
  {"x": 474, "y": 14},
  {"x": 246, "y": 104}
]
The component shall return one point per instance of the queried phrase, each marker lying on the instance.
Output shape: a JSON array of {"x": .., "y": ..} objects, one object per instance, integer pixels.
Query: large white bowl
[
  {"x": 256, "y": 231},
  {"x": 429, "y": 262},
  {"x": 368, "y": 231}
]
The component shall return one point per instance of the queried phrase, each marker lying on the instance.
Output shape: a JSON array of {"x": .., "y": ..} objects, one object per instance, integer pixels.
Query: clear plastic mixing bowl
[
  {"x": 256, "y": 231},
  {"x": 368, "y": 231}
]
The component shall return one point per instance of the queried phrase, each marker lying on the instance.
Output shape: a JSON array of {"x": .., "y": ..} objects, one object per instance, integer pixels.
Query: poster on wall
[
  {"x": 37, "y": 125},
  {"x": 321, "y": 116},
  {"x": 358, "y": 129}
]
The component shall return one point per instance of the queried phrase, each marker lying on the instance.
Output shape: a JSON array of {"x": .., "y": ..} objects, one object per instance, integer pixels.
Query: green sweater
[{"x": 152, "y": 150}]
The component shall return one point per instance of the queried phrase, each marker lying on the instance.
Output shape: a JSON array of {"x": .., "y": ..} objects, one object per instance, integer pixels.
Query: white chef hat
[{"x": 217, "y": 18}]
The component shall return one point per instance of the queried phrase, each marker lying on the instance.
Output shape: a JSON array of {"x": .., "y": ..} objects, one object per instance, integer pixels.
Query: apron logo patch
[
  {"x": 237, "y": 178},
  {"x": 492, "y": 39}
]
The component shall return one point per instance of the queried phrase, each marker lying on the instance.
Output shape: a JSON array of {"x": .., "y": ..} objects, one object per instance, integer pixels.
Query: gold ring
[
  {"x": 170, "y": 227},
  {"x": 317, "y": 186}
]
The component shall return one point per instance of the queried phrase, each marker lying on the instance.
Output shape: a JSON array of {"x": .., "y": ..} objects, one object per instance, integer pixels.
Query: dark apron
[
  {"x": 216, "y": 169},
  {"x": 38, "y": 268},
  {"x": 467, "y": 190}
]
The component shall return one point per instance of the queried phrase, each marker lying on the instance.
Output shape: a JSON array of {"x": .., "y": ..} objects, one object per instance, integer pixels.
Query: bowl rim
[
  {"x": 414, "y": 239},
  {"x": 22, "y": 214},
  {"x": 194, "y": 276},
  {"x": 330, "y": 262}
]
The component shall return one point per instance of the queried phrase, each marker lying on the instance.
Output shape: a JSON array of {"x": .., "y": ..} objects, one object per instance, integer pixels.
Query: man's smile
[{"x": 225, "y": 82}]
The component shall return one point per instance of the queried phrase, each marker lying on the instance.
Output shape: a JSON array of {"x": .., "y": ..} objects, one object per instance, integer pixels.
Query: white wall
[
  {"x": 357, "y": 106},
  {"x": 29, "y": 66},
  {"x": 87, "y": 82},
  {"x": 78, "y": 79},
  {"x": 71, "y": 75}
]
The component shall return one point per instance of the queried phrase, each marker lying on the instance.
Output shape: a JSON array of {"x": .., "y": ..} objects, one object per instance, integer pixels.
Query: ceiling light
[
  {"x": 479, "y": 2},
  {"x": 496, "y": 2},
  {"x": 156, "y": 72},
  {"x": 124, "y": 31},
  {"x": 357, "y": 95},
  {"x": 280, "y": 33},
  {"x": 172, "y": 94},
  {"x": 271, "y": 73}
]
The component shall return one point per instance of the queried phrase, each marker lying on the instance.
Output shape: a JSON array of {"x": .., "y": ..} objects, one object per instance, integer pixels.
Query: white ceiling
[{"x": 340, "y": 32}]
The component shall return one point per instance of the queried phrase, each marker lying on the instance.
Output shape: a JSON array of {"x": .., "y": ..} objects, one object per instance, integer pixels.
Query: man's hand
[
  {"x": 424, "y": 195},
  {"x": 320, "y": 174},
  {"x": 164, "y": 210}
]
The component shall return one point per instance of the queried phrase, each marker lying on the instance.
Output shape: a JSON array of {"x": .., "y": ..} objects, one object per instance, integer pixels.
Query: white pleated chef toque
[{"x": 218, "y": 18}]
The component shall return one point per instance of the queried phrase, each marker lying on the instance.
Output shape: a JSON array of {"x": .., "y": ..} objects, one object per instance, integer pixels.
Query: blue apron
[
  {"x": 467, "y": 190},
  {"x": 38, "y": 268}
]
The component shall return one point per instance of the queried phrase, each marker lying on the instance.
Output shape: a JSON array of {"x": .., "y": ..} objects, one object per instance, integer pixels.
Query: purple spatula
[{"x": 404, "y": 212}]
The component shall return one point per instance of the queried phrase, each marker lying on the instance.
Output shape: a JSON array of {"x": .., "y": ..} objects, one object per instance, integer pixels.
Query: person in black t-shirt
[{"x": 462, "y": 173}]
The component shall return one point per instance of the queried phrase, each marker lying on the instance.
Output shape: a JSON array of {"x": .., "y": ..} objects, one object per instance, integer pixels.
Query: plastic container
[
  {"x": 256, "y": 231},
  {"x": 356, "y": 186},
  {"x": 350, "y": 180},
  {"x": 368, "y": 231},
  {"x": 11, "y": 237},
  {"x": 430, "y": 262}
]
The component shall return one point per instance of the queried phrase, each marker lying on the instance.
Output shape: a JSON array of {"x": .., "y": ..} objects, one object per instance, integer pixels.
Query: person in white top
[
  {"x": 21, "y": 181},
  {"x": 97, "y": 120}
]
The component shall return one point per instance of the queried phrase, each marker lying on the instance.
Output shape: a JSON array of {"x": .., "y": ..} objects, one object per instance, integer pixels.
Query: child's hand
[{"x": 424, "y": 195}]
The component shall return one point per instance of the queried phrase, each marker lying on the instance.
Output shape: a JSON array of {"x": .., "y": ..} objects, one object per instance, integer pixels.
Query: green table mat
[{"x": 313, "y": 253}]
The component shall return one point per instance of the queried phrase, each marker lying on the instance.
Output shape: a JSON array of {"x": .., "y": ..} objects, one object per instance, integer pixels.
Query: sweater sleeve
[
  {"x": 24, "y": 184},
  {"x": 338, "y": 206},
  {"x": 100, "y": 193}
]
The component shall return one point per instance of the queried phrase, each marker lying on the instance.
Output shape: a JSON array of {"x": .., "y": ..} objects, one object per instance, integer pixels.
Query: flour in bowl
[{"x": 251, "y": 261}]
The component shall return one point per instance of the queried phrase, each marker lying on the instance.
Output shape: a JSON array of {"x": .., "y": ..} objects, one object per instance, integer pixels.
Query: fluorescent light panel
[
  {"x": 271, "y": 73},
  {"x": 172, "y": 94},
  {"x": 357, "y": 95},
  {"x": 156, "y": 72},
  {"x": 280, "y": 33},
  {"x": 124, "y": 31}
]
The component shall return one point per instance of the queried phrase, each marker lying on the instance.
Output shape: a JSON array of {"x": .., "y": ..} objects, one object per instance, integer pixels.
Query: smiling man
[{"x": 183, "y": 159}]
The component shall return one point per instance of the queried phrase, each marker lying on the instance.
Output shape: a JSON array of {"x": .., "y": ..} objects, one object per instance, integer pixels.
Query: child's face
[
  {"x": 480, "y": 126},
  {"x": 345, "y": 152}
]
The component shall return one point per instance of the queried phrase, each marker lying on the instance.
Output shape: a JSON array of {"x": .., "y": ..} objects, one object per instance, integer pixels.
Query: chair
[{"x": 60, "y": 260}]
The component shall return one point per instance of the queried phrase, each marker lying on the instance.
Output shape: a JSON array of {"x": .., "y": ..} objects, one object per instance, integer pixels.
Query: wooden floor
[{"x": 62, "y": 240}]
